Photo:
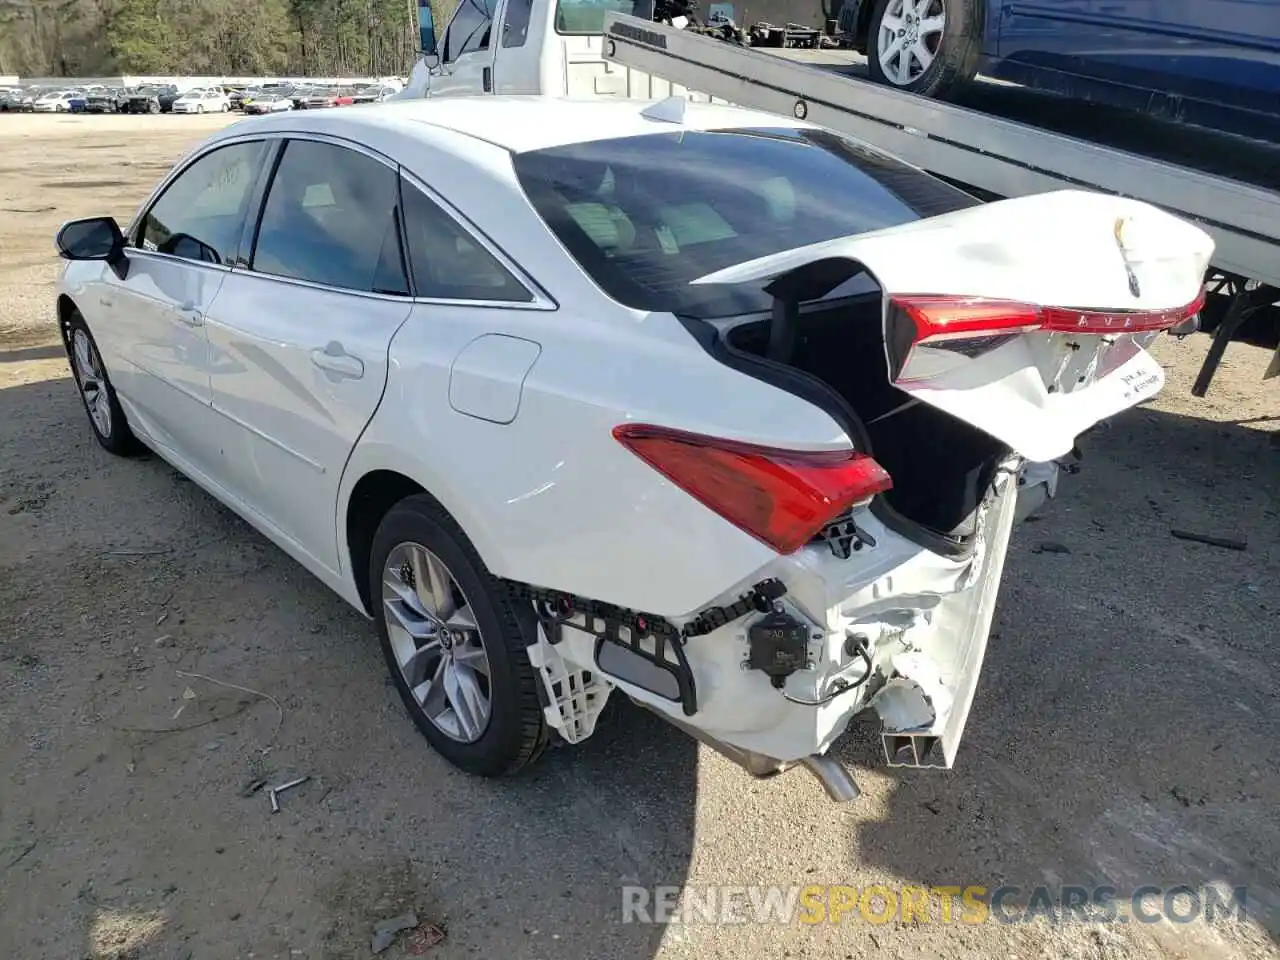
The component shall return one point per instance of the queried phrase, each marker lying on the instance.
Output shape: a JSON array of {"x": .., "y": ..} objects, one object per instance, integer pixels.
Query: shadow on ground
[{"x": 127, "y": 816}]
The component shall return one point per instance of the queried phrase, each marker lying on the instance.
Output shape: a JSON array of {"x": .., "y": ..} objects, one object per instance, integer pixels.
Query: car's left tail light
[{"x": 781, "y": 497}]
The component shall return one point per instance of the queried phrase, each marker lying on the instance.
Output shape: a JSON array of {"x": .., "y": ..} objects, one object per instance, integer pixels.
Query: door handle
[
  {"x": 335, "y": 359},
  {"x": 189, "y": 315},
  {"x": 487, "y": 79}
]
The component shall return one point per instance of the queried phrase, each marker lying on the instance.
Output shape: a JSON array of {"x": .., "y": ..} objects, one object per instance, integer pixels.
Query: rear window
[
  {"x": 646, "y": 215},
  {"x": 576, "y": 17}
]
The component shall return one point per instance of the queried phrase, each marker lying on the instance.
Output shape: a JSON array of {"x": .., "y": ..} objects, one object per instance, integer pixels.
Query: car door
[
  {"x": 466, "y": 54},
  {"x": 180, "y": 251},
  {"x": 1057, "y": 35},
  {"x": 301, "y": 337},
  {"x": 1215, "y": 50}
]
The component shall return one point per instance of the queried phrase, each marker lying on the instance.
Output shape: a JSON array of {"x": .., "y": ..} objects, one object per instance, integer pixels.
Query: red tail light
[
  {"x": 937, "y": 318},
  {"x": 780, "y": 497},
  {"x": 973, "y": 325}
]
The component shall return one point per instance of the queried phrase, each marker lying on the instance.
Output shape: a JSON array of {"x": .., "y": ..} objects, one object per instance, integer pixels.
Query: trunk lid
[{"x": 1026, "y": 318}]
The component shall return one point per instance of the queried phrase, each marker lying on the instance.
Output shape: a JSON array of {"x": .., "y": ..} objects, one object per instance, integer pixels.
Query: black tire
[
  {"x": 516, "y": 735},
  {"x": 118, "y": 438},
  {"x": 955, "y": 60}
]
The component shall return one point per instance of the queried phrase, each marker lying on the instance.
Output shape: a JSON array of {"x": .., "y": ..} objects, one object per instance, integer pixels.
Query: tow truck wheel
[{"x": 929, "y": 47}]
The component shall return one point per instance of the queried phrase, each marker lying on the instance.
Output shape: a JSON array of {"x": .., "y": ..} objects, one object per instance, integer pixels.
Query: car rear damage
[{"x": 962, "y": 355}]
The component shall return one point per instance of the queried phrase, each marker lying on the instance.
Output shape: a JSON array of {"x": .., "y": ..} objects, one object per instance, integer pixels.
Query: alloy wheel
[
  {"x": 92, "y": 382},
  {"x": 438, "y": 647},
  {"x": 910, "y": 37}
]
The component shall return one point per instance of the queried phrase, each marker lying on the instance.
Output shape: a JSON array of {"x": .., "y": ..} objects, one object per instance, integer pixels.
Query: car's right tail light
[{"x": 781, "y": 497}]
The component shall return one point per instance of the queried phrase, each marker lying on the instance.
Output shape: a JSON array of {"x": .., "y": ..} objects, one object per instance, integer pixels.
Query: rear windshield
[
  {"x": 575, "y": 17},
  {"x": 646, "y": 215}
]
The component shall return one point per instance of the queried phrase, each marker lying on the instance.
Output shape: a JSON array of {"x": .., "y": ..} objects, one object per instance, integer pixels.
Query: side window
[
  {"x": 448, "y": 263},
  {"x": 469, "y": 30},
  {"x": 200, "y": 213},
  {"x": 330, "y": 218},
  {"x": 515, "y": 22}
]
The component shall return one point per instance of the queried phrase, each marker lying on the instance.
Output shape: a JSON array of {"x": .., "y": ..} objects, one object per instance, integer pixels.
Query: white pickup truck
[{"x": 548, "y": 47}]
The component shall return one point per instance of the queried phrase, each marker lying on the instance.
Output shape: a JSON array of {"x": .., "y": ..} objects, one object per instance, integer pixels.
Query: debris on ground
[
  {"x": 423, "y": 939},
  {"x": 1051, "y": 546},
  {"x": 1226, "y": 543},
  {"x": 384, "y": 932}
]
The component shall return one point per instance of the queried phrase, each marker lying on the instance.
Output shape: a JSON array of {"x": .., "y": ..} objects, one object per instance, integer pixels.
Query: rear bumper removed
[{"x": 896, "y": 629}]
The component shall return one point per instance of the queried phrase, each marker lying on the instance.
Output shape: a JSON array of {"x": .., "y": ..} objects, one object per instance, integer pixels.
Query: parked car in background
[
  {"x": 202, "y": 100},
  {"x": 1215, "y": 62},
  {"x": 328, "y": 97},
  {"x": 142, "y": 100},
  {"x": 166, "y": 94},
  {"x": 60, "y": 101},
  {"x": 373, "y": 94},
  {"x": 103, "y": 100},
  {"x": 24, "y": 101},
  {"x": 267, "y": 103},
  {"x": 239, "y": 99}
]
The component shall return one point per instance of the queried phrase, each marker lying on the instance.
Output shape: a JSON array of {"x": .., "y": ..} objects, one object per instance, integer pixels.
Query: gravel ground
[{"x": 1123, "y": 733}]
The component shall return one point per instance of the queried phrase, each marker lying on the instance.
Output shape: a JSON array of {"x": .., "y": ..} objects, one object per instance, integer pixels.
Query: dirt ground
[{"x": 1124, "y": 730}]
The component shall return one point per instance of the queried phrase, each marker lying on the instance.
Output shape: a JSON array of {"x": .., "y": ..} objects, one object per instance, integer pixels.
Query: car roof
[{"x": 519, "y": 124}]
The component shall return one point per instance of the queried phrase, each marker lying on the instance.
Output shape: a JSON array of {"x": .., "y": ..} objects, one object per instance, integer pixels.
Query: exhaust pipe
[{"x": 834, "y": 777}]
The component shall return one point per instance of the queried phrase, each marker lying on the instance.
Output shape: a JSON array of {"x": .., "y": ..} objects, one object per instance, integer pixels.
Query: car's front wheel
[
  {"x": 454, "y": 643},
  {"x": 929, "y": 47},
  {"x": 100, "y": 401}
]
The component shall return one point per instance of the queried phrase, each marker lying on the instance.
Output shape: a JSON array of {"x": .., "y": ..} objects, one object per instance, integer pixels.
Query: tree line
[{"x": 84, "y": 38}]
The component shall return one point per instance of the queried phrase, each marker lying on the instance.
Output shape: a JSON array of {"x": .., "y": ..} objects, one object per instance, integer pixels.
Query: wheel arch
[
  {"x": 370, "y": 489},
  {"x": 66, "y": 309}
]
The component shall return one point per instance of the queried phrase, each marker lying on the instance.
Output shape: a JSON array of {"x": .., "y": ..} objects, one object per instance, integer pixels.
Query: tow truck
[{"x": 580, "y": 48}]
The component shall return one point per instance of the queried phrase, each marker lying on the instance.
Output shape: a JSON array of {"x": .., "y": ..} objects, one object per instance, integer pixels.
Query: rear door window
[
  {"x": 330, "y": 218},
  {"x": 448, "y": 262},
  {"x": 646, "y": 215}
]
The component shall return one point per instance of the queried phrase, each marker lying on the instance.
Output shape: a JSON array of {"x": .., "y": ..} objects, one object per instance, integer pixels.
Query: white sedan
[
  {"x": 209, "y": 100},
  {"x": 60, "y": 101},
  {"x": 714, "y": 408}
]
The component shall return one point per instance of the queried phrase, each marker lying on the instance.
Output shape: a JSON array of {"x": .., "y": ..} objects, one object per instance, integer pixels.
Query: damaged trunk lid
[{"x": 1025, "y": 318}]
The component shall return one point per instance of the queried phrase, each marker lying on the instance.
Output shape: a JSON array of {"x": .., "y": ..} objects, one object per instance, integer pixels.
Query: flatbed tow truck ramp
[{"x": 996, "y": 156}]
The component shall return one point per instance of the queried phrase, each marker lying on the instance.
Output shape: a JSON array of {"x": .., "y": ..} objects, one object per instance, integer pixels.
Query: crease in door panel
[{"x": 340, "y": 522}]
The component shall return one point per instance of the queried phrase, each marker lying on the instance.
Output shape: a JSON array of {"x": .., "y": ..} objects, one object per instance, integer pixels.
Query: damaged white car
[{"x": 705, "y": 407}]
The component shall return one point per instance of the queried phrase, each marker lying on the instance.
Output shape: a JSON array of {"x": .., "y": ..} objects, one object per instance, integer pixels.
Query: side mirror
[
  {"x": 427, "y": 34},
  {"x": 94, "y": 238}
]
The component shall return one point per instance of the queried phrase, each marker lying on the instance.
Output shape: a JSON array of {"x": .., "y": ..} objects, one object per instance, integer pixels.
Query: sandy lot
[{"x": 1124, "y": 731}]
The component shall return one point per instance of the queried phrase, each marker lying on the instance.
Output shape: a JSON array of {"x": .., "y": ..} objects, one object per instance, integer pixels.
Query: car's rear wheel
[
  {"x": 96, "y": 393},
  {"x": 929, "y": 47},
  {"x": 454, "y": 643}
]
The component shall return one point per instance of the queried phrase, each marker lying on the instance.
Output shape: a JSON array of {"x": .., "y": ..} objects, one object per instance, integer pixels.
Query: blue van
[{"x": 1213, "y": 62}]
